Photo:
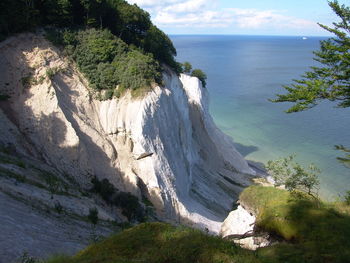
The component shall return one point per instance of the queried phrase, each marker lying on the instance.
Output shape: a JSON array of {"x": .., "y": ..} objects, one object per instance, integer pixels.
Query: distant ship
[{"x": 304, "y": 38}]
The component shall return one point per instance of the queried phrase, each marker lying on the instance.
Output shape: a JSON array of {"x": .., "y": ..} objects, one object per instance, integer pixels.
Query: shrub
[
  {"x": 93, "y": 216},
  {"x": 50, "y": 73},
  {"x": 104, "y": 188},
  {"x": 200, "y": 75},
  {"x": 292, "y": 175},
  {"x": 107, "y": 61},
  {"x": 136, "y": 70},
  {"x": 347, "y": 197},
  {"x": 26, "y": 258},
  {"x": 58, "y": 207},
  {"x": 130, "y": 206},
  {"x": 187, "y": 67},
  {"x": 4, "y": 97}
]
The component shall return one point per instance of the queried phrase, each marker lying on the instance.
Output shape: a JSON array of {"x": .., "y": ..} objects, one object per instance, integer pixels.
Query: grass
[
  {"x": 313, "y": 232},
  {"x": 316, "y": 231},
  {"x": 160, "y": 243}
]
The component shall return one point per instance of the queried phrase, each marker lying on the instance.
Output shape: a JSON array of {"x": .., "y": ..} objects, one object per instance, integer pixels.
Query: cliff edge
[{"x": 163, "y": 146}]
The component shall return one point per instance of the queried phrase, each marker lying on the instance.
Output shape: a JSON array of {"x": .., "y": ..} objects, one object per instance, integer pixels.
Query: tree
[
  {"x": 187, "y": 67},
  {"x": 200, "y": 75},
  {"x": 293, "y": 176},
  {"x": 93, "y": 216},
  {"x": 330, "y": 81},
  {"x": 160, "y": 45}
]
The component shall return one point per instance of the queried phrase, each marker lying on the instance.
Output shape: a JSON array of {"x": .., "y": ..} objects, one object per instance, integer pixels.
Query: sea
[{"x": 244, "y": 72}]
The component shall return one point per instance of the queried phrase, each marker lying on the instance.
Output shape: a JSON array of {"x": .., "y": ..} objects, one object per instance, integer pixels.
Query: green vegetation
[
  {"x": 104, "y": 188},
  {"x": 319, "y": 232},
  {"x": 200, "y": 75},
  {"x": 128, "y": 23},
  {"x": 332, "y": 80},
  {"x": 93, "y": 216},
  {"x": 107, "y": 61},
  {"x": 128, "y": 203},
  {"x": 309, "y": 231},
  {"x": 159, "y": 243},
  {"x": 347, "y": 198},
  {"x": 187, "y": 67},
  {"x": 293, "y": 176}
]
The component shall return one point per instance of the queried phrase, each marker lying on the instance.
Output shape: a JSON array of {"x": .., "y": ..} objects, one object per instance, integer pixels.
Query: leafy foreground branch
[{"x": 331, "y": 80}]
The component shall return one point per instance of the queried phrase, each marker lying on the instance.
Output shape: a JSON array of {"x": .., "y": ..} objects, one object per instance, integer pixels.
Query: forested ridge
[{"x": 112, "y": 42}]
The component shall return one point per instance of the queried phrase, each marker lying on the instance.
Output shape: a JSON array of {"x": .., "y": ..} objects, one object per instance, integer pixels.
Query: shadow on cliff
[{"x": 67, "y": 138}]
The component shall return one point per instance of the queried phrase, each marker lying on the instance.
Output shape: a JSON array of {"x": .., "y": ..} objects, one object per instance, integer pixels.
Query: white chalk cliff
[{"x": 164, "y": 145}]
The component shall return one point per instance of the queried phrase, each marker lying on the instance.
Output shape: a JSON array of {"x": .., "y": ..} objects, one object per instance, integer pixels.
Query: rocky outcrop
[
  {"x": 239, "y": 227},
  {"x": 164, "y": 145}
]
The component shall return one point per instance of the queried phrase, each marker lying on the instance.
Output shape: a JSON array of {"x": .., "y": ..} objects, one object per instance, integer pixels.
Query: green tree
[
  {"x": 187, "y": 67},
  {"x": 331, "y": 80},
  {"x": 293, "y": 176},
  {"x": 200, "y": 75},
  {"x": 93, "y": 216},
  {"x": 160, "y": 45}
]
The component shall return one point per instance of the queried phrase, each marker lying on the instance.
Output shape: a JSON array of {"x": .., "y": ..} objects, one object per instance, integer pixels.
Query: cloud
[
  {"x": 206, "y": 13},
  {"x": 254, "y": 19}
]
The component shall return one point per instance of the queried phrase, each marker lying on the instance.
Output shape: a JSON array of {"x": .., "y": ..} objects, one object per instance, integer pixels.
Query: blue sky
[{"x": 251, "y": 17}]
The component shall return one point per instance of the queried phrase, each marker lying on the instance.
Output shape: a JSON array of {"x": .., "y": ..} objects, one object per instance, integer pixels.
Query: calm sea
[{"x": 243, "y": 73}]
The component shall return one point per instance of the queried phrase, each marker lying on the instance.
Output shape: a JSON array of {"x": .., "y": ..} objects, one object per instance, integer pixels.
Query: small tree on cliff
[
  {"x": 200, "y": 75},
  {"x": 187, "y": 67},
  {"x": 293, "y": 176}
]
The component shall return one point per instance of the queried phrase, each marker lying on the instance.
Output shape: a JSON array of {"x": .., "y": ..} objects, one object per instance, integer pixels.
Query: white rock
[{"x": 238, "y": 223}]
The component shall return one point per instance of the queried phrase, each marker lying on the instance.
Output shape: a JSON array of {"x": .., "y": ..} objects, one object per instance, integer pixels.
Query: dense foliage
[
  {"x": 128, "y": 203},
  {"x": 128, "y": 22},
  {"x": 200, "y": 75},
  {"x": 112, "y": 42},
  {"x": 106, "y": 60},
  {"x": 331, "y": 80}
]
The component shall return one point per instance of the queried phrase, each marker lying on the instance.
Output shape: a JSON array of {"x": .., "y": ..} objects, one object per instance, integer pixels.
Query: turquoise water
[{"x": 243, "y": 73}]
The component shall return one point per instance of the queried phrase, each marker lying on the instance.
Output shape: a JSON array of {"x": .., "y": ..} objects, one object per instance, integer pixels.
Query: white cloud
[
  {"x": 205, "y": 13},
  {"x": 253, "y": 19}
]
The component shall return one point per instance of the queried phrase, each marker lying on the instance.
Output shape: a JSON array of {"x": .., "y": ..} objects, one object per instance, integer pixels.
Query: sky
[{"x": 247, "y": 17}]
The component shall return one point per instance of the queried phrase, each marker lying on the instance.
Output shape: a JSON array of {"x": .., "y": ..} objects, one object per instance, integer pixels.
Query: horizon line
[{"x": 185, "y": 34}]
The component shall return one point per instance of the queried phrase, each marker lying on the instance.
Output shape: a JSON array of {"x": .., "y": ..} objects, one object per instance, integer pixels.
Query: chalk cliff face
[{"x": 164, "y": 146}]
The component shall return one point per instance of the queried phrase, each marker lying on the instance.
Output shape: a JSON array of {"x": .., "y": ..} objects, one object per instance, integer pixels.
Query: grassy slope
[
  {"x": 317, "y": 232},
  {"x": 159, "y": 242}
]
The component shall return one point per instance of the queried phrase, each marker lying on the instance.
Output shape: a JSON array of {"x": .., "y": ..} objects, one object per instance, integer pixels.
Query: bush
[
  {"x": 136, "y": 70},
  {"x": 130, "y": 206},
  {"x": 187, "y": 67},
  {"x": 93, "y": 216},
  {"x": 200, "y": 75},
  {"x": 347, "y": 198},
  {"x": 107, "y": 61},
  {"x": 292, "y": 175},
  {"x": 104, "y": 188}
]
